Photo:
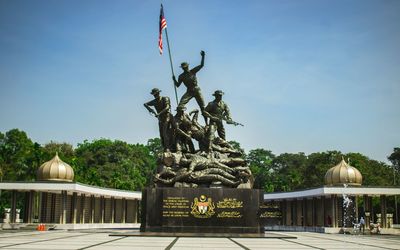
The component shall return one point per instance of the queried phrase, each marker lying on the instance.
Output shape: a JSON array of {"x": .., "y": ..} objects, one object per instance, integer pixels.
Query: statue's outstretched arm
[
  {"x": 197, "y": 68},
  {"x": 148, "y": 105}
]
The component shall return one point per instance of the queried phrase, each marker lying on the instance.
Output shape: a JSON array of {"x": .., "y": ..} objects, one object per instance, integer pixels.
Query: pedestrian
[{"x": 362, "y": 224}]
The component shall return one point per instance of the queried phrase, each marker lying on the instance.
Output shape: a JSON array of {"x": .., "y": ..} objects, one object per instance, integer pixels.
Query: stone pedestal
[
  {"x": 7, "y": 212},
  {"x": 201, "y": 210},
  {"x": 17, "y": 216}
]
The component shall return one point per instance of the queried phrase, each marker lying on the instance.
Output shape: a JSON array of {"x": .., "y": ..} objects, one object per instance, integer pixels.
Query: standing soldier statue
[
  {"x": 163, "y": 113},
  {"x": 218, "y": 111},
  {"x": 188, "y": 77}
]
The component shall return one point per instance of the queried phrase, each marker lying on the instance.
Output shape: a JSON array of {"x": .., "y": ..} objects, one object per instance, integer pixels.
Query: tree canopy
[{"x": 118, "y": 164}]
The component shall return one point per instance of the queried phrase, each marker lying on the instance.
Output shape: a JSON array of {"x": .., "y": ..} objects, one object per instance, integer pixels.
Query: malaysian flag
[{"x": 163, "y": 25}]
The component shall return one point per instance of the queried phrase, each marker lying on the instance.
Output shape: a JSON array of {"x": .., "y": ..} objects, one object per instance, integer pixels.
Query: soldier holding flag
[{"x": 189, "y": 78}]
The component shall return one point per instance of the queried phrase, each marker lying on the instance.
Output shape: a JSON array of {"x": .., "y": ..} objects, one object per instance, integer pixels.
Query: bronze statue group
[{"x": 215, "y": 163}]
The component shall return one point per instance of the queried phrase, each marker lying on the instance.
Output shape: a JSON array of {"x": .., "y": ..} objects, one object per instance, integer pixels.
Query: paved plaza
[{"x": 101, "y": 240}]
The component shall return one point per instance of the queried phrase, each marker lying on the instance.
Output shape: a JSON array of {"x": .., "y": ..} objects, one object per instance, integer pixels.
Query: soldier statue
[
  {"x": 218, "y": 111},
  {"x": 215, "y": 163},
  {"x": 163, "y": 113},
  {"x": 188, "y": 77},
  {"x": 182, "y": 130}
]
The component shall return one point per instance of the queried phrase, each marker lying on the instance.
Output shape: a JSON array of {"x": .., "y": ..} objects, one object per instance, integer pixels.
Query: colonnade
[
  {"x": 328, "y": 211},
  {"x": 73, "y": 208}
]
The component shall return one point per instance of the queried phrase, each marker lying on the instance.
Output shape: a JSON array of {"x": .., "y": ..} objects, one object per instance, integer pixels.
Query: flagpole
[{"x": 172, "y": 67}]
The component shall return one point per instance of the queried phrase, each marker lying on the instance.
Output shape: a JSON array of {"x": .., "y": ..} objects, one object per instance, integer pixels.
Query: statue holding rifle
[
  {"x": 163, "y": 113},
  {"x": 218, "y": 111},
  {"x": 215, "y": 163}
]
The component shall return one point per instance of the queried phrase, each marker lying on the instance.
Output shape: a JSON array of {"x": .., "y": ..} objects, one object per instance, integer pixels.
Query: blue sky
[{"x": 302, "y": 75}]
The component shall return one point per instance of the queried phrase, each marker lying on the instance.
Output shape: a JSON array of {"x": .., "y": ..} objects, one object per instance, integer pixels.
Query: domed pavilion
[
  {"x": 55, "y": 170},
  {"x": 323, "y": 209},
  {"x": 54, "y": 198},
  {"x": 343, "y": 174}
]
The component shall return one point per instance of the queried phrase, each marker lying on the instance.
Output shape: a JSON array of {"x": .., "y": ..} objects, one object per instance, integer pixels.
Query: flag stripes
[{"x": 162, "y": 26}]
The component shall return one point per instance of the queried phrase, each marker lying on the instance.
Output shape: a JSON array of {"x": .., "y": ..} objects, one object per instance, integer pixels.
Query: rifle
[
  {"x": 151, "y": 111},
  {"x": 233, "y": 123},
  {"x": 229, "y": 121}
]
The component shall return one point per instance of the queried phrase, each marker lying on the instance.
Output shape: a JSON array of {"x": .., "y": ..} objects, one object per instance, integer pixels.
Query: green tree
[
  {"x": 290, "y": 171},
  {"x": 64, "y": 150},
  {"x": 18, "y": 156},
  {"x": 374, "y": 173},
  {"x": 394, "y": 158},
  {"x": 113, "y": 164},
  {"x": 316, "y": 166},
  {"x": 18, "y": 161},
  {"x": 155, "y": 147},
  {"x": 2, "y": 162},
  {"x": 260, "y": 162}
]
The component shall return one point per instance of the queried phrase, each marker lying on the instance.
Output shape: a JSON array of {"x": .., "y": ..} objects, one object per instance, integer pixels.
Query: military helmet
[
  {"x": 184, "y": 65},
  {"x": 218, "y": 92},
  {"x": 155, "y": 91},
  {"x": 181, "y": 108}
]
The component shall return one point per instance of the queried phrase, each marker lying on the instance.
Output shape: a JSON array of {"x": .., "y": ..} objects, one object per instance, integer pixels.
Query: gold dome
[
  {"x": 55, "y": 170},
  {"x": 341, "y": 174}
]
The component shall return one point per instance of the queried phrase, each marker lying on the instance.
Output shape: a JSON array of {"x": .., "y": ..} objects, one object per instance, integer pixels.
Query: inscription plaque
[{"x": 201, "y": 210}]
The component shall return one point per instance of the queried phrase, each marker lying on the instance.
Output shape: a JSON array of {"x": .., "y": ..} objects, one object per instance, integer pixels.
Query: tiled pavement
[{"x": 101, "y": 240}]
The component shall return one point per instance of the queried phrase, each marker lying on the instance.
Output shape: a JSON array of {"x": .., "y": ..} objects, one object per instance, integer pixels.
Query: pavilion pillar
[
  {"x": 373, "y": 217},
  {"x": 296, "y": 212},
  {"x": 13, "y": 213},
  {"x": 304, "y": 212},
  {"x": 28, "y": 207},
  {"x": 367, "y": 209},
  {"x": 138, "y": 210},
  {"x": 74, "y": 207},
  {"x": 288, "y": 213},
  {"x": 383, "y": 210},
  {"x": 83, "y": 209},
  {"x": 323, "y": 213},
  {"x": 356, "y": 208},
  {"x": 123, "y": 207},
  {"x": 112, "y": 219},
  {"x": 117, "y": 210},
  {"x": 38, "y": 206},
  {"x": 43, "y": 207},
  {"x": 63, "y": 217},
  {"x": 102, "y": 209},
  {"x": 293, "y": 205},
  {"x": 299, "y": 212},
  {"x": 92, "y": 209},
  {"x": 135, "y": 210},
  {"x": 53, "y": 208},
  {"x": 31, "y": 198},
  {"x": 334, "y": 211},
  {"x": 283, "y": 211},
  {"x": 313, "y": 214}
]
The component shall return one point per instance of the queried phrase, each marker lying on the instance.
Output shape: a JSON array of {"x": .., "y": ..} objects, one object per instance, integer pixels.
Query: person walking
[{"x": 362, "y": 224}]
